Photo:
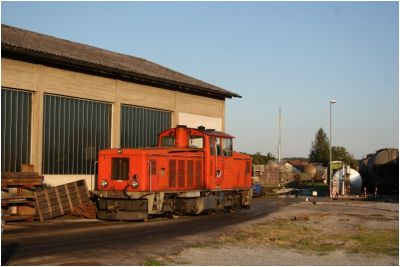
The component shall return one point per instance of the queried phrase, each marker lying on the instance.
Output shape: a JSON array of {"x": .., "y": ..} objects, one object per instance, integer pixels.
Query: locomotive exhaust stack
[
  {"x": 181, "y": 136},
  {"x": 191, "y": 171}
]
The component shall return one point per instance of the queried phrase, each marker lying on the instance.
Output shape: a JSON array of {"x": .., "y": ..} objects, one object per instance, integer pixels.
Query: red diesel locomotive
[{"x": 191, "y": 171}]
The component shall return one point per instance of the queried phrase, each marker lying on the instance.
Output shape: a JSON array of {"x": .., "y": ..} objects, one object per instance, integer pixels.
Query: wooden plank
[
  {"x": 52, "y": 197},
  {"x": 37, "y": 208},
  {"x": 17, "y": 217},
  {"x": 54, "y": 206},
  {"x": 69, "y": 199},
  {"x": 20, "y": 174},
  {"x": 42, "y": 204},
  {"x": 62, "y": 192},
  {"x": 47, "y": 216},
  {"x": 48, "y": 202},
  {"x": 6, "y": 182},
  {"x": 28, "y": 202},
  {"x": 77, "y": 192},
  {"x": 59, "y": 200},
  {"x": 39, "y": 193},
  {"x": 86, "y": 188}
]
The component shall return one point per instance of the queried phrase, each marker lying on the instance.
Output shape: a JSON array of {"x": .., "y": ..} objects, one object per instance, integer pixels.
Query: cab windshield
[{"x": 196, "y": 141}]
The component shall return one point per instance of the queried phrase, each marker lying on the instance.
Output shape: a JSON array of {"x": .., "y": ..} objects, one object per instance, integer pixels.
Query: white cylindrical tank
[{"x": 348, "y": 178}]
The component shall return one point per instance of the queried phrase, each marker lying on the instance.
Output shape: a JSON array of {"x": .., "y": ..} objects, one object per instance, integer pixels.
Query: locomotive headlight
[
  {"x": 103, "y": 183},
  {"x": 135, "y": 184}
]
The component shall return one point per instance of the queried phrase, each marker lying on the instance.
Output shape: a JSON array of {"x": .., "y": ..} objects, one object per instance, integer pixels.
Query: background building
[{"x": 63, "y": 101}]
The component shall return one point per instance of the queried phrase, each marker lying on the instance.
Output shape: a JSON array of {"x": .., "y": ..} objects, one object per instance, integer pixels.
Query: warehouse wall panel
[
  {"x": 74, "y": 130},
  {"x": 200, "y": 105},
  {"x": 69, "y": 83},
  {"x": 18, "y": 74},
  {"x": 140, "y": 126},
  {"x": 194, "y": 121},
  {"x": 146, "y": 96}
]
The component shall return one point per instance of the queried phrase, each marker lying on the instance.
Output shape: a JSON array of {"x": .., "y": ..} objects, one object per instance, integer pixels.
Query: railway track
[{"x": 78, "y": 242}]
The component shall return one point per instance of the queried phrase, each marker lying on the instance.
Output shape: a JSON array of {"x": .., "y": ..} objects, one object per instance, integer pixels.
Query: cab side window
[
  {"x": 226, "y": 147},
  {"x": 215, "y": 144},
  {"x": 221, "y": 146},
  {"x": 212, "y": 146},
  {"x": 218, "y": 146}
]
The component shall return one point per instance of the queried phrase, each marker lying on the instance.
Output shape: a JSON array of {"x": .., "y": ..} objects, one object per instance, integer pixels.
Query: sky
[{"x": 296, "y": 56}]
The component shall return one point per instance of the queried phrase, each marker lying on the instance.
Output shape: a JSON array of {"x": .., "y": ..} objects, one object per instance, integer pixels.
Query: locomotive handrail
[
  {"x": 94, "y": 173},
  {"x": 149, "y": 163}
]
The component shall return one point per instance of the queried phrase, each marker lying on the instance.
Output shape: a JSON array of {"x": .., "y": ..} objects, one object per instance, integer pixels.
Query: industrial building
[{"x": 63, "y": 101}]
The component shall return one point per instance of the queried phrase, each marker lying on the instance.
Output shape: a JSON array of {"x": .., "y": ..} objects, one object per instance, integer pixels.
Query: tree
[
  {"x": 259, "y": 159},
  {"x": 319, "y": 151},
  {"x": 340, "y": 153}
]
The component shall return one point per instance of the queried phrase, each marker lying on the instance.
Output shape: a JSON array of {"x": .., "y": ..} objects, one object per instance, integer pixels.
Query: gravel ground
[
  {"x": 330, "y": 216},
  {"x": 238, "y": 255}
]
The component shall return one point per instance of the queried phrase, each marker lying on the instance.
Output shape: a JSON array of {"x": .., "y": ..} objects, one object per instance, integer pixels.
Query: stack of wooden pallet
[
  {"x": 17, "y": 198},
  {"x": 61, "y": 200}
]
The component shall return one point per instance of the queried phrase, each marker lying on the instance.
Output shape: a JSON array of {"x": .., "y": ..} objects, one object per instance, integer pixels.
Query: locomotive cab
[
  {"x": 191, "y": 171},
  {"x": 217, "y": 148}
]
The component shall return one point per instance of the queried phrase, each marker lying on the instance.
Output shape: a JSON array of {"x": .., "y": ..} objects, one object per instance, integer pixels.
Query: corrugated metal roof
[{"x": 28, "y": 45}]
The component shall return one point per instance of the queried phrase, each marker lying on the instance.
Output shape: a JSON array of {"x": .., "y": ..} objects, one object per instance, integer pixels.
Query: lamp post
[{"x": 330, "y": 146}]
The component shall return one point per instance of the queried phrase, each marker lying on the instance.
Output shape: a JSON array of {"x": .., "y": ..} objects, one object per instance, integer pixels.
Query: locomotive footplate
[
  {"x": 122, "y": 209},
  {"x": 196, "y": 205}
]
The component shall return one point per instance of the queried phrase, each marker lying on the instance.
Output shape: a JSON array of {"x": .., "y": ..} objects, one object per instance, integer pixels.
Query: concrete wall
[{"x": 41, "y": 80}]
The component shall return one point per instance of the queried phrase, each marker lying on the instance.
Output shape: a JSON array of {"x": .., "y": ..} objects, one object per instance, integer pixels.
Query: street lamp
[{"x": 330, "y": 146}]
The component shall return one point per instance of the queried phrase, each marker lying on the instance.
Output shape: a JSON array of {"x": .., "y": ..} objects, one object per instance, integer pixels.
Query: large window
[
  {"x": 74, "y": 130},
  {"x": 140, "y": 126},
  {"x": 15, "y": 129}
]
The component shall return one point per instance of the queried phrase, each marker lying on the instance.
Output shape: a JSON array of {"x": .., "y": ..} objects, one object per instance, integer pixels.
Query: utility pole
[
  {"x": 331, "y": 102},
  {"x": 280, "y": 135}
]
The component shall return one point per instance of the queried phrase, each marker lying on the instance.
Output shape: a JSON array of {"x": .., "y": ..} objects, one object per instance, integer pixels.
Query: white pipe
[{"x": 93, "y": 183}]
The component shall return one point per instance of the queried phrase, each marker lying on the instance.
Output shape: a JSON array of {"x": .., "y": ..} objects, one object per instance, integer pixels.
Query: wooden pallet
[{"x": 61, "y": 200}]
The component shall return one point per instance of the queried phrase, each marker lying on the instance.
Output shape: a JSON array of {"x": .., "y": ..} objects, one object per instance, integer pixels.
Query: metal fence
[
  {"x": 74, "y": 130},
  {"x": 15, "y": 129},
  {"x": 140, "y": 126}
]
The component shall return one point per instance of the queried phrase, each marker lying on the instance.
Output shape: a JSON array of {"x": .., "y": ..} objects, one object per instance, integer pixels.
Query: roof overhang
[{"x": 21, "y": 50}]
